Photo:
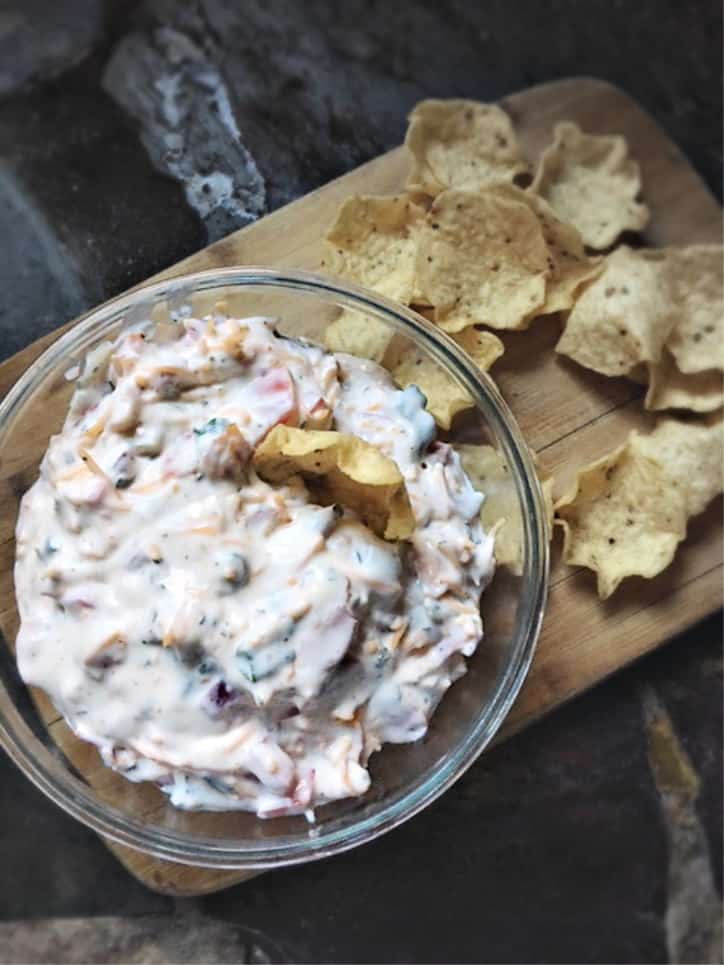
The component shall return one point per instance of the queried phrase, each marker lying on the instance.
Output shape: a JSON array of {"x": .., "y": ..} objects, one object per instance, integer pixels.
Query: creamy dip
[{"x": 229, "y": 639}]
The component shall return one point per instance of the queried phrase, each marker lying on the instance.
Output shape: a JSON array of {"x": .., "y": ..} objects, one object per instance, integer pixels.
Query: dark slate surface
[{"x": 566, "y": 843}]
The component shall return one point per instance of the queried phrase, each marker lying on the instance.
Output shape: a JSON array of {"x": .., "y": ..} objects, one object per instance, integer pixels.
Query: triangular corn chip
[
  {"x": 697, "y": 339},
  {"x": 622, "y": 517},
  {"x": 482, "y": 259},
  {"x": 460, "y": 144},
  {"x": 343, "y": 469},
  {"x": 591, "y": 182},
  {"x": 445, "y": 397},
  {"x": 569, "y": 265},
  {"x": 671, "y": 389},
  {"x": 500, "y": 513},
  {"x": 373, "y": 242},
  {"x": 624, "y": 317},
  {"x": 358, "y": 334},
  {"x": 691, "y": 453},
  {"x": 483, "y": 347}
]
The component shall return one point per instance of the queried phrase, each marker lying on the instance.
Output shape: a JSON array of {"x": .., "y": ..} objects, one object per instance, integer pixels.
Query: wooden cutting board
[{"x": 569, "y": 416}]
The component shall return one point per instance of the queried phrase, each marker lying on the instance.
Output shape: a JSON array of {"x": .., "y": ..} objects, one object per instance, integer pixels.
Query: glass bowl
[{"x": 405, "y": 778}]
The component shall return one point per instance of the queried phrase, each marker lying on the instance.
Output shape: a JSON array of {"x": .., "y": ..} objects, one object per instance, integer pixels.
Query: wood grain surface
[{"x": 568, "y": 415}]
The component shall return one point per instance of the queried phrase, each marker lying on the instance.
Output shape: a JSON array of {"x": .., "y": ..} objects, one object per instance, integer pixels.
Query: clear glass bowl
[{"x": 405, "y": 778}]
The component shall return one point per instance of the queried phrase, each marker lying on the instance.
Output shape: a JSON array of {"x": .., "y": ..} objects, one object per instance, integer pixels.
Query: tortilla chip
[
  {"x": 692, "y": 454},
  {"x": 445, "y": 397},
  {"x": 482, "y": 259},
  {"x": 671, "y": 389},
  {"x": 373, "y": 242},
  {"x": 591, "y": 183},
  {"x": 483, "y": 347},
  {"x": 622, "y": 517},
  {"x": 460, "y": 144},
  {"x": 697, "y": 339},
  {"x": 358, "y": 334},
  {"x": 569, "y": 265},
  {"x": 343, "y": 469},
  {"x": 624, "y": 317},
  {"x": 500, "y": 513}
]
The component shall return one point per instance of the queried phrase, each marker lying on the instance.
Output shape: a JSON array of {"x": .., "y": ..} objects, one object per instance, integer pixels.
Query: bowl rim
[{"x": 77, "y": 799}]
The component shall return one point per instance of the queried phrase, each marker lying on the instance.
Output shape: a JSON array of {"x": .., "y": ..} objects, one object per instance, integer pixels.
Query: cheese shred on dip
[{"x": 234, "y": 641}]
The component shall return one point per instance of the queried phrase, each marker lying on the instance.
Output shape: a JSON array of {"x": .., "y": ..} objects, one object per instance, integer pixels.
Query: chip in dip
[{"x": 225, "y": 632}]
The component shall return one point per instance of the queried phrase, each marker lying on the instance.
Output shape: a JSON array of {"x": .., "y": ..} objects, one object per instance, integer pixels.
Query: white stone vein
[
  {"x": 147, "y": 939},
  {"x": 166, "y": 82},
  {"x": 694, "y": 912}
]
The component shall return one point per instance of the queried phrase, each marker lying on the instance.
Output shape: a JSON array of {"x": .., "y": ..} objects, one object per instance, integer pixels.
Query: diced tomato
[{"x": 275, "y": 400}]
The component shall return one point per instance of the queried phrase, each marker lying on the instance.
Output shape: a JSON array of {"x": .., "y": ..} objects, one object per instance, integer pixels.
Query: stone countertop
[{"x": 132, "y": 133}]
